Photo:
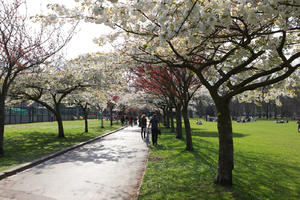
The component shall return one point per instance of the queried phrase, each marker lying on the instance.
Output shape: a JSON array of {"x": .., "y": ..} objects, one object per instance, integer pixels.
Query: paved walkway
[{"x": 110, "y": 168}]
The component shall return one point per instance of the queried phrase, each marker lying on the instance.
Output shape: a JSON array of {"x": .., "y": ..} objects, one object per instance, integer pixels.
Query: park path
[{"x": 110, "y": 168}]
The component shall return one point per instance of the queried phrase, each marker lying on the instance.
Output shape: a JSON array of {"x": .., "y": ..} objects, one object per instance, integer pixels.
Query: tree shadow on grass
[
  {"x": 215, "y": 134},
  {"x": 205, "y": 152},
  {"x": 30, "y": 146},
  {"x": 183, "y": 174},
  {"x": 256, "y": 175},
  {"x": 204, "y": 133},
  {"x": 261, "y": 177}
]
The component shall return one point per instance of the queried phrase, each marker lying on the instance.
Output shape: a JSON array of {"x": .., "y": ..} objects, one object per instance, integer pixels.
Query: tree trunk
[
  {"x": 267, "y": 110},
  {"x": 9, "y": 116},
  {"x": 172, "y": 120},
  {"x": 226, "y": 163},
  {"x": 102, "y": 126},
  {"x": 178, "y": 123},
  {"x": 61, "y": 133},
  {"x": 189, "y": 143},
  {"x": 85, "y": 120},
  {"x": 167, "y": 118},
  {"x": 275, "y": 111},
  {"x": 164, "y": 117},
  {"x": 111, "y": 115},
  {"x": 2, "y": 121}
]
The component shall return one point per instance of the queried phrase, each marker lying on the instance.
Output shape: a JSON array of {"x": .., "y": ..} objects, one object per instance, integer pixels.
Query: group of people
[
  {"x": 281, "y": 121},
  {"x": 153, "y": 123},
  {"x": 132, "y": 120},
  {"x": 241, "y": 119},
  {"x": 287, "y": 121}
]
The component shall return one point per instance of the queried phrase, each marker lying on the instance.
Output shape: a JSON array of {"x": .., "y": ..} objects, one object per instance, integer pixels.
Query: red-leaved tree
[{"x": 178, "y": 85}]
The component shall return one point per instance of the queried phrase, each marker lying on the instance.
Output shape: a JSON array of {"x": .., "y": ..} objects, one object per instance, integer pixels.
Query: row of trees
[
  {"x": 174, "y": 88},
  {"x": 282, "y": 106},
  {"x": 33, "y": 69},
  {"x": 23, "y": 47},
  {"x": 231, "y": 46}
]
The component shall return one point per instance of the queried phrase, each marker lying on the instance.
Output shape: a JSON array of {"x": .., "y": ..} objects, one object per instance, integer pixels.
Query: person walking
[
  {"x": 130, "y": 120},
  {"x": 143, "y": 125},
  {"x": 154, "y": 123},
  {"x": 123, "y": 120},
  {"x": 139, "y": 120}
]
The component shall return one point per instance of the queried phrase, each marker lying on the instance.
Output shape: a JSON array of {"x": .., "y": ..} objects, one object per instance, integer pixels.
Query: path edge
[
  {"x": 140, "y": 181},
  {"x": 38, "y": 161}
]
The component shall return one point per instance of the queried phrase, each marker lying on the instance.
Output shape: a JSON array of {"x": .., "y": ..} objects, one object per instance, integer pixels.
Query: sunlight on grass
[
  {"x": 267, "y": 164},
  {"x": 26, "y": 142}
]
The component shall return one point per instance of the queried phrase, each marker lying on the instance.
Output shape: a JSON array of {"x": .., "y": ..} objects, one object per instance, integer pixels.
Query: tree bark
[
  {"x": 275, "y": 111},
  {"x": 61, "y": 133},
  {"x": 2, "y": 121},
  {"x": 172, "y": 120},
  {"x": 267, "y": 110},
  {"x": 85, "y": 120},
  {"x": 167, "y": 118},
  {"x": 178, "y": 123},
  {"x": 164, "y": 121},
  {"x": 102, "y": 126},
  {"x": 226, "y": 162},
  {"x": 111, "y": 115},
  {"x": 189, "y": 143}
]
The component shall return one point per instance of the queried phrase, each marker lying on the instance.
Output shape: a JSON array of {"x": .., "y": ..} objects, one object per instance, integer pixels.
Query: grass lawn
[
  {"x": 26, "y": 142},
  {"x": 267, "y": 164}
]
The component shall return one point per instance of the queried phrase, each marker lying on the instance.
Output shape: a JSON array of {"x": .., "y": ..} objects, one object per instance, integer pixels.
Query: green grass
[
  {"x": 267, "y": 164},
  {"x": 26, "y": 142}
]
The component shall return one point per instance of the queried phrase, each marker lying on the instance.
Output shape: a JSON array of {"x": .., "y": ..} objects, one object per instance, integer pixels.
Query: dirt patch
[
  {"x": 235, "y": 196},
  {"x": 203, "y": 186},
  {"x": 155, "y": 158}
]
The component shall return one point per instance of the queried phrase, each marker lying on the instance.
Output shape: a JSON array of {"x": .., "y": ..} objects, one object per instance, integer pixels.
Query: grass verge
[
  {"x": 267, "y": 164},
  {"x": 26, "y": 142}
]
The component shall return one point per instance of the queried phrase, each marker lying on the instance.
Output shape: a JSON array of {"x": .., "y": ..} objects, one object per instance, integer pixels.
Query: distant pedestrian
[
  {"x": 130, "y": 120},
  {"x": 134, "y": 120},
  {"x": 139, "y": 120},
  {"x": 123, "y": 120},
  {"x": 154, "y": 123},
  {"x": 298, "y": 122},
  {"x": 143, "y": 125}
]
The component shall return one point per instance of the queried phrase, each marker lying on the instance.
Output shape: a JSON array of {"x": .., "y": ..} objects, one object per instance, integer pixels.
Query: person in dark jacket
[
  {"x": 154, "y": 123},
  {"x": 123, "y": 120},
  {"x": 143, "y": 125}
]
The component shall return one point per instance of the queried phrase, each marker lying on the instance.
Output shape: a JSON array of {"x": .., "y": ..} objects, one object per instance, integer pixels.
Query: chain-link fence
[{"x": 35, "y": 113}]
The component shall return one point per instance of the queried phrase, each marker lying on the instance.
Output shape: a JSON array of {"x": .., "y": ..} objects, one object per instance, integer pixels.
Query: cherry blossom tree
[
  {"x": 232, "y": 46},
  {"x": 50, "y": 85},
  {"x": 107, "y": 77},
  {"x": 81, "y": 99},
  {"x": 23, "y": 46}
]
